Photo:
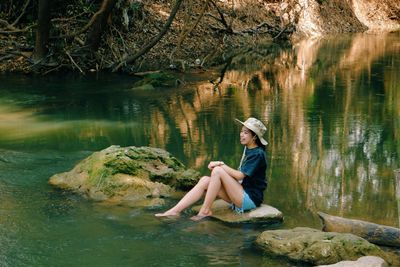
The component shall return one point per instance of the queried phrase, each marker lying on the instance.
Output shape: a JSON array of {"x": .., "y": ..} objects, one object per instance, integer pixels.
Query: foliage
[{"x": 130, "y": 27}]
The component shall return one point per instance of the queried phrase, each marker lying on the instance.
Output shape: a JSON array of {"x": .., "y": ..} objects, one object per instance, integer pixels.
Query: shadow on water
[{"x": 332, "y": 107}]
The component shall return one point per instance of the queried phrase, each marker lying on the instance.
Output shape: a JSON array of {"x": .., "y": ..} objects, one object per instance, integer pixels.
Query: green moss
[
  {"x": 147, "y": 154},
  {"x": 112, "y": 188},
  {"x": 144, "y": 163},
  {"x": 122, "y": 164},
  {"x": 187, "y": 179},
  {"x": 140, "y": 153},
  {"x": 103, "y": 180},
  {"x": 165, "y": 178},
  {"x": 173, "y": 163},
  {"x": 98, "y": 177}
]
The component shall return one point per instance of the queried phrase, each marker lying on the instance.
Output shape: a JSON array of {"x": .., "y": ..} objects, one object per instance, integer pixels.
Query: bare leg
[
  {"x": 220, "y": 182},
  {"x": 190, "y": 198}
]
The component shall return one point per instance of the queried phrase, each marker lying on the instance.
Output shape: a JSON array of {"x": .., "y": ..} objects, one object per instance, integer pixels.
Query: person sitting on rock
[{"x": 243, "y": 188}]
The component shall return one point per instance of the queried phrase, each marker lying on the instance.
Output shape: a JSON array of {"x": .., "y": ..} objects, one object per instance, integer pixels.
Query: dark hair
[{"x": 258, "y": 141}]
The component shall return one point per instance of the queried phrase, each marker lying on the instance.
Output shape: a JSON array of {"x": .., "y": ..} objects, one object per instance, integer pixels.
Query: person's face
[{"x": 246, "y": 137}]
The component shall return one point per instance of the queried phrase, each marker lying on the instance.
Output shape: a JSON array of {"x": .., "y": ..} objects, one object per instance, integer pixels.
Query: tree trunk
[
  {"x": 43, "y": 30},
  {"x": 99, "y": 24},
  {"x": 374, "y": 233}
]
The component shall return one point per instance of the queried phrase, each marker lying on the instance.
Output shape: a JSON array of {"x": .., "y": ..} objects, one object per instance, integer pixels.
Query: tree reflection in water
[{"x": 332, "y": 107}]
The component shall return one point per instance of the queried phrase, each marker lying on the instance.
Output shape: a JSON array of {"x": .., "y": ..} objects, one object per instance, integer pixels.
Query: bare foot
[
  {"x": 167, "y": 214},
  {"x": 200, "y": 216}
]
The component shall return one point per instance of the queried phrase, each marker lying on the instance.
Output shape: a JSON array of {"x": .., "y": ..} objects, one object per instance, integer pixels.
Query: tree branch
[
  {"x": 88, "y": 25},
  {"x": 187, "y": 31},
  {"x": 22, "y": 13},
  {"x": 73, "y": 62},
  {"x": 15, "y": 30},
  {"x": 153, "y": 42},
  {"x": 222, "y": 20}
]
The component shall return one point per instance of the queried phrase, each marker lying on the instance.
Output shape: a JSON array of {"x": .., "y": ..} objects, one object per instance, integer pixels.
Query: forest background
[{"x": 46, "y": 36}]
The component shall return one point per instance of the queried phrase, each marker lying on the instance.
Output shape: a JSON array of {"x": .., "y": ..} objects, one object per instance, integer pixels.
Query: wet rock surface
[
  {"x": 263, "y": 214},
  {"x": 136, "y": 176},
  {"x": 366, "y": 261},
  {"x": 316, "y": 247}
]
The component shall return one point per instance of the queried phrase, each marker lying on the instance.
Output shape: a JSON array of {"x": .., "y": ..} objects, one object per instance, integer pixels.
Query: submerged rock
[
  {"x": 317, "y": 247},
  {"x": 136, "y": 176},
  {"x": 152, "y": 80},
  {"x": 366, "y": 261},
  {"x": 263, "y": 214}
]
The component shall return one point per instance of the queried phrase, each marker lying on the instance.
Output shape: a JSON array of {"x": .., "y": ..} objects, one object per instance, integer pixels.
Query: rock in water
[
  {"x": 263, "y": 214},
  {"x": 136, "y": 176},
  {"x": 366, "y": 261},
  {"x": 316, "y": 247}
]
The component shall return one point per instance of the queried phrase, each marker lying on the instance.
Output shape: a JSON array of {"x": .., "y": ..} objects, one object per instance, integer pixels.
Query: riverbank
[{"x": 201, "y": 35}]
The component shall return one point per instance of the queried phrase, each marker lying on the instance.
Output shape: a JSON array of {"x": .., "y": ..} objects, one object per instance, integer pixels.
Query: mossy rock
[
  {"x": 316, "y": 247},
  {"x": 128, "y": 175},
  {"x": 365, "y": 261}
]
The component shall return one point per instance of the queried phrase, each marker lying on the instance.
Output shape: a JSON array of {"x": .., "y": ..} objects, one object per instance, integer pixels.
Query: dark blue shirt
[{"x": 254, "y": 166}]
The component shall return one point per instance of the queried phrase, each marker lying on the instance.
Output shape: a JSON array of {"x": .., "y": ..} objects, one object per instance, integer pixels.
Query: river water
[{"x": 332, "y": 109}]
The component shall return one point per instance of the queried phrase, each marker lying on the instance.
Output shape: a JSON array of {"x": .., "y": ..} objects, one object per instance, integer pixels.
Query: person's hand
[{"x": 214, "y": 164}]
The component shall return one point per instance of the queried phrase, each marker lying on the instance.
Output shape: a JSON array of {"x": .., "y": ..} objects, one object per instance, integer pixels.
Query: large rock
[
  {"x": 263, "y": 214},
  {"x": 317, "y": 247},
  {"x": 136, "y": 176},
  {"x": 366, "y": 261}
]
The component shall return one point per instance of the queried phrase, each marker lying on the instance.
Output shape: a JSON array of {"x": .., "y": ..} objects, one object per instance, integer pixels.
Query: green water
[{"x": 333, "y": 113}]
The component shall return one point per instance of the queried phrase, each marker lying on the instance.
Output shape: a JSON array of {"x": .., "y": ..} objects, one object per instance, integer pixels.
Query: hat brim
[{"x": 262, "y": 140}]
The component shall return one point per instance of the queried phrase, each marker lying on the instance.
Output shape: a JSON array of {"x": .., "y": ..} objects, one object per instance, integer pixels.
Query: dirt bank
[
  {"x": 320, "y": 17},
  {"x": 200, "y": 35}
]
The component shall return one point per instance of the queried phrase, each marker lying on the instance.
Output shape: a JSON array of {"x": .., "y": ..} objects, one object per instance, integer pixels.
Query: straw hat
[{"x": 257, "y": 127}]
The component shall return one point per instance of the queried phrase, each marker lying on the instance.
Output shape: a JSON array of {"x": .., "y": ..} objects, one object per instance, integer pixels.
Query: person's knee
[
  {"x": 217, "y": 171},
  {"x": 204, "y": 181}
]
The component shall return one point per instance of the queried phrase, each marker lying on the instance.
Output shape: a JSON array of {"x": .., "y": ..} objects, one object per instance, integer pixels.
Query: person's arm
[{"x": 238, "y": 175}]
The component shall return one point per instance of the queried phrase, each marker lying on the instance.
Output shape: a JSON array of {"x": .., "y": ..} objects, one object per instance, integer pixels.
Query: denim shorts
[{"x": 247, "y": 204}]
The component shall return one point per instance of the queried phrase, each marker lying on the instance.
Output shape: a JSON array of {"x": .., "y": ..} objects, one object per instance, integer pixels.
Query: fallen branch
[
  {"x": 222, "y": 30},
  {"x": 7, "y": 25},
  {"x": 188, "y": 30},
  {"x": 279, "y": 34},
  {"x": 222, "y": 18},
  {"x": 22, "y": 13},
  {"x": 18, "y": 53},
  {"x": 73, "y": 62},
  {"x": 73, "y": 18},
  {"x": 209, "y": 55},
  {"x": 257, "y": 28},
  {"x": 153, "y": 42},
  {"x": 17, "y": 30},
  {"x": 54, "y": 69},
  {"x": 121, "y": 38},
  {"x": 10, "y": 29},
  {"x": 6, "y": 57}
]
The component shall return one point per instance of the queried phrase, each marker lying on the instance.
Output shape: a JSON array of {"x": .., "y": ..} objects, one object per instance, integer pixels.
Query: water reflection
[{"x": 332, "y": 107}]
